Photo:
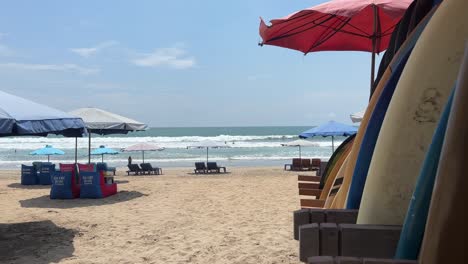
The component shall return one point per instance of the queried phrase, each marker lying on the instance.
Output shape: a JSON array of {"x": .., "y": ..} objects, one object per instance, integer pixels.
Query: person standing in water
[{"x": 129, "y": 160}]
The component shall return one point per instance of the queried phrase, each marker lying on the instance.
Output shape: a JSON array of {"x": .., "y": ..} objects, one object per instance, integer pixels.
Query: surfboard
[
  {"x": 334, "y": 170},
  {"x": 446, "y": 233},
  {"x": 331, "y": 162},
  {"x": 412, "y": 116},
  {"x": 367, "y": 146},
  {"x": 337, "y": 182},
  {"x": 415, "y": 221},
  {"x": 342, "y": 199}
]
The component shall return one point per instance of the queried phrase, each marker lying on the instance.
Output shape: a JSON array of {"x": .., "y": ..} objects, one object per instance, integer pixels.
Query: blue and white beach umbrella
[
  {"x": 331, "y": 128},
  {"x": 102, "y": 150},
  {"x": 47, "y": 150}
]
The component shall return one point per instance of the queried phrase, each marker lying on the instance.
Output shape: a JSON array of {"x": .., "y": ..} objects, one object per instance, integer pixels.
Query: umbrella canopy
[
  {"x": 143, "y": 147},
  {"x": 208, "y": 144},
  {"x": 357, "y": 117},
  {"x": 299, "y": 143},
  {"x": 331, "y": 128},
  {"x": 103, "y": 122},
  {"x": 353, "y": 25},
  {"x": 47, "y": 150},
  {"x": 102, "y": 150},
  {"x": 22, "y": 117}
]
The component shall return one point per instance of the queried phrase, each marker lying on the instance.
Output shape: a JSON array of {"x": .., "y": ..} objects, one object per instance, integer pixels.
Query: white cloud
[
  {"x": 2, "y": 35},
  {"x": 173, "y": 57},
  {"x": 50, "y": 67},
  {"x": 88, "y": 52},
  {"x": 332, "y": 115}
]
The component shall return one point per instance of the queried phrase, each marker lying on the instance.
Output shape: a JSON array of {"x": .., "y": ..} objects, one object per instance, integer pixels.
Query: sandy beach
[{"x": 244, "y": 216}]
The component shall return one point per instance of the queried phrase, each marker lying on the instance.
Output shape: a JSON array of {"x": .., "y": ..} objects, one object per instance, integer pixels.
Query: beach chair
[
  {"x": 157, "y": 170},
  {"x": 29, "y": 175},
  {"x": 213, "y": 167},
  {"x": 148, "y": 168},
  {"x": 134, "y": 168},
  {"x": 200, "y": 167},
  {"x": 316, "y": 165},
  {"x": 296, "y": 164},
  {"x": 306, "y": 164},
  {"x": 45, "y": 174},
  {"x": 93, "y": 185}
]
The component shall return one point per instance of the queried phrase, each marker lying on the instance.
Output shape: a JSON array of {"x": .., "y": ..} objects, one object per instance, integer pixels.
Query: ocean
[{"x": 248, "y": 146}]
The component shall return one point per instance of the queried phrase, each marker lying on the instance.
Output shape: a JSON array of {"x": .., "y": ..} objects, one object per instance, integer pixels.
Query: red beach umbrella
[{"x": 338, "y": 25}]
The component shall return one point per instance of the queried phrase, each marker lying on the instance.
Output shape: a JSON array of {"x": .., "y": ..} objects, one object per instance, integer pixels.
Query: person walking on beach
[{"x": 129, "y": 160}]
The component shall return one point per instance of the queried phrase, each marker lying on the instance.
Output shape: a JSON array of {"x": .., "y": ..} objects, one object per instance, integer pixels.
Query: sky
[{"x": 175, "y": 63}]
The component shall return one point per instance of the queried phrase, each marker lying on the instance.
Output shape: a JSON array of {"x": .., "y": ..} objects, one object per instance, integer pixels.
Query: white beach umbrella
[
  {"x": 300, "y": 143},
  {"x": 143, "y": 147},
  {"x": 102, "y": 122},
  {"x": 357, "y": 117},
  {"x": 208, "y": 144}
]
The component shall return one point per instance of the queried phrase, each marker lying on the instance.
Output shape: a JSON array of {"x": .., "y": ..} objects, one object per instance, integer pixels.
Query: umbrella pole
[
  {"x": 102, "y": 158},
  {"x": 333, "y": 144},
  {"x": 374, "y": 44},
  {"x": 76, "y": 150},
  {"x": 89, "y": 148},
  {"x": 143, "y": 153},
  {"x": 48, "y": 158},
  {"x": 206, "y": 156},
  {"x": 300, "y": 152}
]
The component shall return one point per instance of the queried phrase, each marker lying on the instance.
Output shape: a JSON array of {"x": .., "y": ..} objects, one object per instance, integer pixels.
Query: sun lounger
[
  {"x": 213, "y": 167},
  {"x": 200, "y": 167},
  {"x": 296, "y": 165},
  {"x": 148, "y": 168},
  {"x": 134, "y": 168}
]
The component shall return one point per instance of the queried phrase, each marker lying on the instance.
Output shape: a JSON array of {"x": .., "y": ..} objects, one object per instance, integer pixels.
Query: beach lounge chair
[
  {"x": 306, "y": 164},
  {"x": 45, "y": 174},
  {"x": 213, "y": 167},
  {"x": 134, "y": 168},
  {"x": 155, "y": 169},
  {"x": 200, "y": 167},
  {"x": 93, "y": 185},
  {"x": 148, "y": 168},
  {"x": 316, "y": 165},
  {"x": 296, "y": 164},
  {"x": 28, "y": 175}
]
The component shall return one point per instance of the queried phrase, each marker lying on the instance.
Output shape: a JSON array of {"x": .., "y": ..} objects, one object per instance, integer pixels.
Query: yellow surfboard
[{"x": 413, "y": 114}]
